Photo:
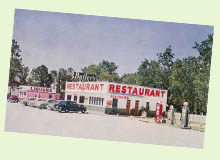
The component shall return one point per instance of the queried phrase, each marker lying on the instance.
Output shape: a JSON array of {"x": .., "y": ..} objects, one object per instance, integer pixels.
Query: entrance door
[
  {"x": 75, "y": 99},
  {"x": 69, "y": 97},
  {"x": 128, "y": 107},
  {"x": 136, "y": 108},
  {"x": 114, "y": 105}
]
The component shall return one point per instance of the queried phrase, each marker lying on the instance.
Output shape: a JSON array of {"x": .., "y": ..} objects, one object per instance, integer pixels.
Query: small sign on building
[{"x": 84, "y": 76}]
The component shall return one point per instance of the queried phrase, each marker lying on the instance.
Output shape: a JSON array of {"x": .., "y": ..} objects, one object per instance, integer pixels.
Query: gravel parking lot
[{"x": 25, "y": 119}]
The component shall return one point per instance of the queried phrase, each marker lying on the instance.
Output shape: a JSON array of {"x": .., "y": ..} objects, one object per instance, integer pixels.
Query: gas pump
[
  {"x": 185, "y": 116},
  {"x": 172, "y": 110},
  {"x": 158, "y": 116}
]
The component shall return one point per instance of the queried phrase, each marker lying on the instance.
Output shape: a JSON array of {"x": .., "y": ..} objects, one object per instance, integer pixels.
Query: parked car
[
  {"x": 66, "y": 106},
  {"x": 13, "y": 99},
  {"x": 41, "y": 103},
  {"x": 51, "y": 104},
  {"x": 31, "y": 102},
  {"x": 27, "y": 100}
]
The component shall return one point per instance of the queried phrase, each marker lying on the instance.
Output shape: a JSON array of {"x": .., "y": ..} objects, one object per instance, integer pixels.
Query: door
[
  {"x": 69, "y": 97},
  {"x": 75, "y": 98},
  {"x": 136, "y": 108},
  {"x": 147, "y": 106},
  {"x": 128, "y": 107},
  {"x": 81, "y": 99},
  {"x": 75, "y": 107},
  {"x": 114, "y": 105}
]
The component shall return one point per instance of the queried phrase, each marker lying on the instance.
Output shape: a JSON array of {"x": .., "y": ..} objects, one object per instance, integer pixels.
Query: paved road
[{"x": 25, "y": 119}]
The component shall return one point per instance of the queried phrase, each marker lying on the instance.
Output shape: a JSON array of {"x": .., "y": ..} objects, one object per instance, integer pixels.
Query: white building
[{"x": 115, "y": 96}]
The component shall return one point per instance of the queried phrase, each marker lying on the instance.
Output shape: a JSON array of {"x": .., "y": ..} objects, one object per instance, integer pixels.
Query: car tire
[
  {"x": 41, "y": 106},
  {"x": 83, "y": 111}
]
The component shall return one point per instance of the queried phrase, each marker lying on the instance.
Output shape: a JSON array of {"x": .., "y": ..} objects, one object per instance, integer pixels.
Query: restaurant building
[{"x": 122, "y": 98}]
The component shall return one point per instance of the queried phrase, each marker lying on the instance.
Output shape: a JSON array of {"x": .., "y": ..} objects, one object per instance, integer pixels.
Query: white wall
[{"x": 104, "y": 93}]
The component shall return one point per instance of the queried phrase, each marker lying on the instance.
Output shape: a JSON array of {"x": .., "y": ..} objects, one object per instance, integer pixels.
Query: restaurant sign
[{"x": 84, "y": 76}]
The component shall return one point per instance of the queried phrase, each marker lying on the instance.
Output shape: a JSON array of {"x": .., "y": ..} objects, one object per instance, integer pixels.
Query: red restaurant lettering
[
  {"x": 86, "y": 86},
  {"x": 136, "y": 91}
]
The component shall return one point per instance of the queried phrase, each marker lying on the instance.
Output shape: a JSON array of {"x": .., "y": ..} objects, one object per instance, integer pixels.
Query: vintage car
[
  {"x": 51, "y": 104},
  {"x": 13, "y": 99},
  {"x": 41, "y": 103},
  {"x": 31, "y": 102},
  {"x": 27, "y": 101},
  {"x": 66, "y": 106}
]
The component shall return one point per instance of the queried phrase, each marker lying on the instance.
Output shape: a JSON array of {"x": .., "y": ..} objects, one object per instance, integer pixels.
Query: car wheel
[
  {"x": 41, "y": 106},
  {"x": 83, "y": 111},
  {"x": 66, "y": 110}
]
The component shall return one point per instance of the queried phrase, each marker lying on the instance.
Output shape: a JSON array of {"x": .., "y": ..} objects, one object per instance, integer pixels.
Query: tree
[
  {"x": 166, "y": 58},
  {"x": 106, "y": 66},
  {"x": 15, "y": 64},
  {"x": 41, "y": 76},
  {"x": 104, "y": 71},
  {"x": 70, "y": 72},
  {"x": 205, "y": 50},
  {"x": 201, "y": 81},
  {"x": 105, "y": 76},
  {"x": 92, "y": 69},
  {"x": 54, "y": 75},
  {"x": 149, "y": 74},
  {"x": 61, "y": 80},
  {"x": 181, "y": 82},
  {"x": 129, "y": 78},
  {"x": 23, "y": 74},
  {"x": 166, "y": 61}
]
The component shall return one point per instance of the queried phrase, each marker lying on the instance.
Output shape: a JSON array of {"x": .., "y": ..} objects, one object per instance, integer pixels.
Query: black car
[{"x": 66, "y": 106}]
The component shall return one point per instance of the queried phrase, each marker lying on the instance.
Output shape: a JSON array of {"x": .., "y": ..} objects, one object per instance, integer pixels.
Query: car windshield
[
  {"x": 52, "y": 101},
  {"x": 62, "y": 103},
  {"x": 31, "y": 99},
  {"x": 41, "y": 99}
]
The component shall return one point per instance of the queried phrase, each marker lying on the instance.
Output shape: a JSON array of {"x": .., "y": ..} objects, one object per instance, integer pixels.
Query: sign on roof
[{"x": 84, "y": 76}]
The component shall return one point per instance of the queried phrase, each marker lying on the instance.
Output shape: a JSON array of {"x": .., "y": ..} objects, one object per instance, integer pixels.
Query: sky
[{"x": 72, "y": 40}]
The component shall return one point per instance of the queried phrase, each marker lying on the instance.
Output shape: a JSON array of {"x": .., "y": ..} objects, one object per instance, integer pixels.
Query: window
[
  {"x": 69, "y": 97},
  {"x": 62, "y": 103},
  {"x": 97, "y": 100},
  {"x": 51, "y": 101},
  {"x": 81, "y": 99},
  {"x": 71, "y": 103},
  {"x": 50, "y": 96},
  {"x": 90, "y": 100},
  {"x": 94, "y": 99},
  {"x": 102, "y": 101},
  {"x": 147, "y": 106}
]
